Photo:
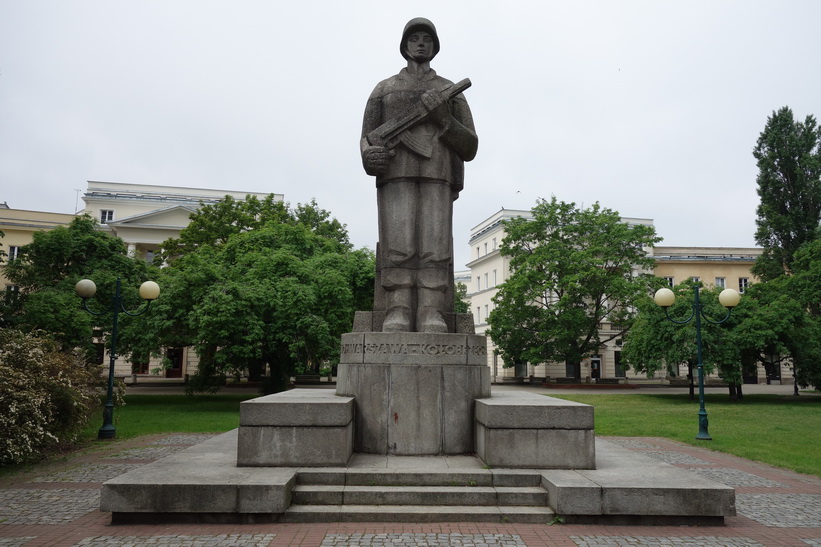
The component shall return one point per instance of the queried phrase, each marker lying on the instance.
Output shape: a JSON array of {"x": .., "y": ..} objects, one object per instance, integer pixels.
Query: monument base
[{"x": 414, "y": 392}]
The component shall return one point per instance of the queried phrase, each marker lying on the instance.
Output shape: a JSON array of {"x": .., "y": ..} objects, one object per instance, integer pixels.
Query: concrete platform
[{"x": 204, "y": 484}]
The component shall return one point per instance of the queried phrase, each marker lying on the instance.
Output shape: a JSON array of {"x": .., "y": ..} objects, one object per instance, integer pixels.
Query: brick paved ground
[{"x": 56, "y": 503}]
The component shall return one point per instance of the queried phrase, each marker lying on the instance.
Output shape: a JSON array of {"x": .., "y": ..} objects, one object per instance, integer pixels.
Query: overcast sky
[{"x": 651, "y": 108}]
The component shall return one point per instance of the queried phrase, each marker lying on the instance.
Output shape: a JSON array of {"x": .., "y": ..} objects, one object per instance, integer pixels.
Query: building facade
[
  {"x": 714, "y": 266},
  {"x": 19, "y": 227}
]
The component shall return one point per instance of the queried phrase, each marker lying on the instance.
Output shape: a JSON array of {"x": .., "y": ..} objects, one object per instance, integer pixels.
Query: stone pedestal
[
  {"x": 298, "y": 428},
  {"x": 414, "y": 392},
  {"x": 532, "y": 431}
]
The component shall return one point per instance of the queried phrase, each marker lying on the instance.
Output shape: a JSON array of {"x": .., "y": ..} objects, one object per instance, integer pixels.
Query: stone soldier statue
[{"x": 418, "y": 175}]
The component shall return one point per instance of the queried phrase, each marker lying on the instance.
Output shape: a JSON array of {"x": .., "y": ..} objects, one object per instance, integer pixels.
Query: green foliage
[
  {"x": 461, "y": 304},
  {"x": 571, "y": 269},
  {"x": 657, "y": 344},
  {"x": 47, "y": 269},
  {"x": 215, "y": 223},
  {"x": 46, "y": 396},
  {"x": 278, "y": 292},
  {"x": 788, "y": 155}
]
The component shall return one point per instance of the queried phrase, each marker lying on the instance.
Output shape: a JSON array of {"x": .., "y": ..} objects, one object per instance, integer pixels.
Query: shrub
[{"x": 46, "y": 396}]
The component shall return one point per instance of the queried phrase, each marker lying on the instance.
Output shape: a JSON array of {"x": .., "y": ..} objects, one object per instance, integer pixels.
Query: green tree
[
  {"x": 656, "y": 344},
  {"x": 571, "y": 269},
  {"x": 47, "y": 269},
  {"x": 461, "y": 303},
  {"x": 788, "y": 155},
  {"x": 277, "y": 293},
  {"x": 215, "y": 223}
]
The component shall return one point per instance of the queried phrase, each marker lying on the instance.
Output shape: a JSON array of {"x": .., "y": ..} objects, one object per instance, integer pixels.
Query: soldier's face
[{"x": 420, "y": 46}]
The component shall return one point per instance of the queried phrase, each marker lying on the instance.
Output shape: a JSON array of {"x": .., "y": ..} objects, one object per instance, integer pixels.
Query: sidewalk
[{"x": 57, "y": 503}]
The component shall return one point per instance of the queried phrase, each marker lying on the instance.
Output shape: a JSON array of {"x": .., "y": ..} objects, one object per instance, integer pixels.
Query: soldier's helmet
[{"x": 415, "y": 24}]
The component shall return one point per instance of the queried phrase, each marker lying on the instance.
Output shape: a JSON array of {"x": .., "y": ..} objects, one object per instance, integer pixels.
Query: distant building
[
  {"x": 714, "y": 266},
  {"x": 19, "y": 227},
  {"x": 144, "y": 216}
]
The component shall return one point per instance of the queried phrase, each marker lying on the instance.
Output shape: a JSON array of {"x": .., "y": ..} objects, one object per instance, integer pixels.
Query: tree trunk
[{"x": 733, "y": 391}]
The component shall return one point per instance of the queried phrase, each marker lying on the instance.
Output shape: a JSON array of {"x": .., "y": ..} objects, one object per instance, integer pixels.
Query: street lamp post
[
  {"x": 85, "y": 289},
  {"x": 729, "y": 299}
]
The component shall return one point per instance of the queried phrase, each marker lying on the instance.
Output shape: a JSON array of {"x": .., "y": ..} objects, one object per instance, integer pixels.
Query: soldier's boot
[
  {"x": 431, "y": 301},
  {"x": 399, "y": 297}
]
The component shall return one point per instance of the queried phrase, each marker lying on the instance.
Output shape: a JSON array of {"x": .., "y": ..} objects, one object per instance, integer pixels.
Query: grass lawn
[
  {"x": 781, "y": 431},
  {"x": 148, "y": 414}
]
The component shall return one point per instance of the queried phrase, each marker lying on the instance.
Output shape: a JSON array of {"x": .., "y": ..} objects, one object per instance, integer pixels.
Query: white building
[
  {"x": 489, "y": 269},
  {"x": 144, "y": 216}
]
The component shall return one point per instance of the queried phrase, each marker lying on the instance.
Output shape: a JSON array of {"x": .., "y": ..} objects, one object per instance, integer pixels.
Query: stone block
[
  {"x": 200, "y": 480},
  {"x": 294, "y": 446},
  {"x": 298, "y": 407},
  {"x": 516, "y": 410},
  {"x": 370, "y": 385},
  {"x": 570, "y": 493},
  {"x": 537, "y": 448},
  {"x": 415, "y": 410},
  {"x": 461, "y": 386}
]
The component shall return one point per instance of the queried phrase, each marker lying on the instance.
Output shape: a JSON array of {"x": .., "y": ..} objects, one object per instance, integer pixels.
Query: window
[
  {"x": 721, "y": 282},
  {"x": 494, "y": 244},
  {"x": 478, "y": 283},
  {"x": 14, "y": 252},
  {"x": 695, "y": 279},
  {"x": 485, "y": 248},
  {"x": 477, "y": 252},
  {"x": 486, "y": 285},
  {"x": 494, "y": 278},
  {"x": 486, "y": 314},
  {"x": 478, "y": 314},
  {"x": 106, "y": 216},
  {"x": 742, "y": 284},
  {"x": 670, "y": 281},
  {"x": 12, "y": 292}
]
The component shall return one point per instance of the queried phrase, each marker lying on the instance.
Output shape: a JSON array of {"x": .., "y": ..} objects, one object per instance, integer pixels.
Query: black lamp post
[
  {"x": 85, "y": 289},
  {"x": 729, "y": 299}
]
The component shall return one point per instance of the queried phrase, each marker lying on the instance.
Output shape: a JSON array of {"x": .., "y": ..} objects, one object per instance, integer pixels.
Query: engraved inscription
[{"x": 414, "y": 349}]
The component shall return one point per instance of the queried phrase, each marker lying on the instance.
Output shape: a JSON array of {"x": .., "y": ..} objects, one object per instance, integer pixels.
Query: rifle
[{"x": 393, "y": 131}]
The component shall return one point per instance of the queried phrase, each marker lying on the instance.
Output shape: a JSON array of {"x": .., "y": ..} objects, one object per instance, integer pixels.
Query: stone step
[
  {"x": 421, "y": 477},
  {"x": 419, "y": 495},
  {"x": 418, "y": 513}
]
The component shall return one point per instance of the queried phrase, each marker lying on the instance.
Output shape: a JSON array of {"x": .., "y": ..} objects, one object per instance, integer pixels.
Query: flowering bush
[{"x": 45, "y": 396}]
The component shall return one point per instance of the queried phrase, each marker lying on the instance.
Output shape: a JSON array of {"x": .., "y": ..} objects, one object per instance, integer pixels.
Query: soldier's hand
[
  {"x": 375, "y": 159},
  {"x": 436, "y": 104}
]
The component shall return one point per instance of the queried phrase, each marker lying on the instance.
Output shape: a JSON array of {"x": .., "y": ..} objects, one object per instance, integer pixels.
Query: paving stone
[
  {"x": 181, "y": 438},
  {"x": 813, "y": 542},
  {"x": 58, "y": 506},
  {"x": 735, "y": 477},
  {"x": 89, "y": 472},
  {"x": 631, "y": 443},
  {"x": 781, "y": 510},
  {"x": 695, "y": 541},
  {"x": 222, "y": 540},
  {"x": 428, "y": 540},
  {"x": 14, "y": 542},
  {"x": 146, "y": 453},
  {"x": 674, "y": 457}
]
